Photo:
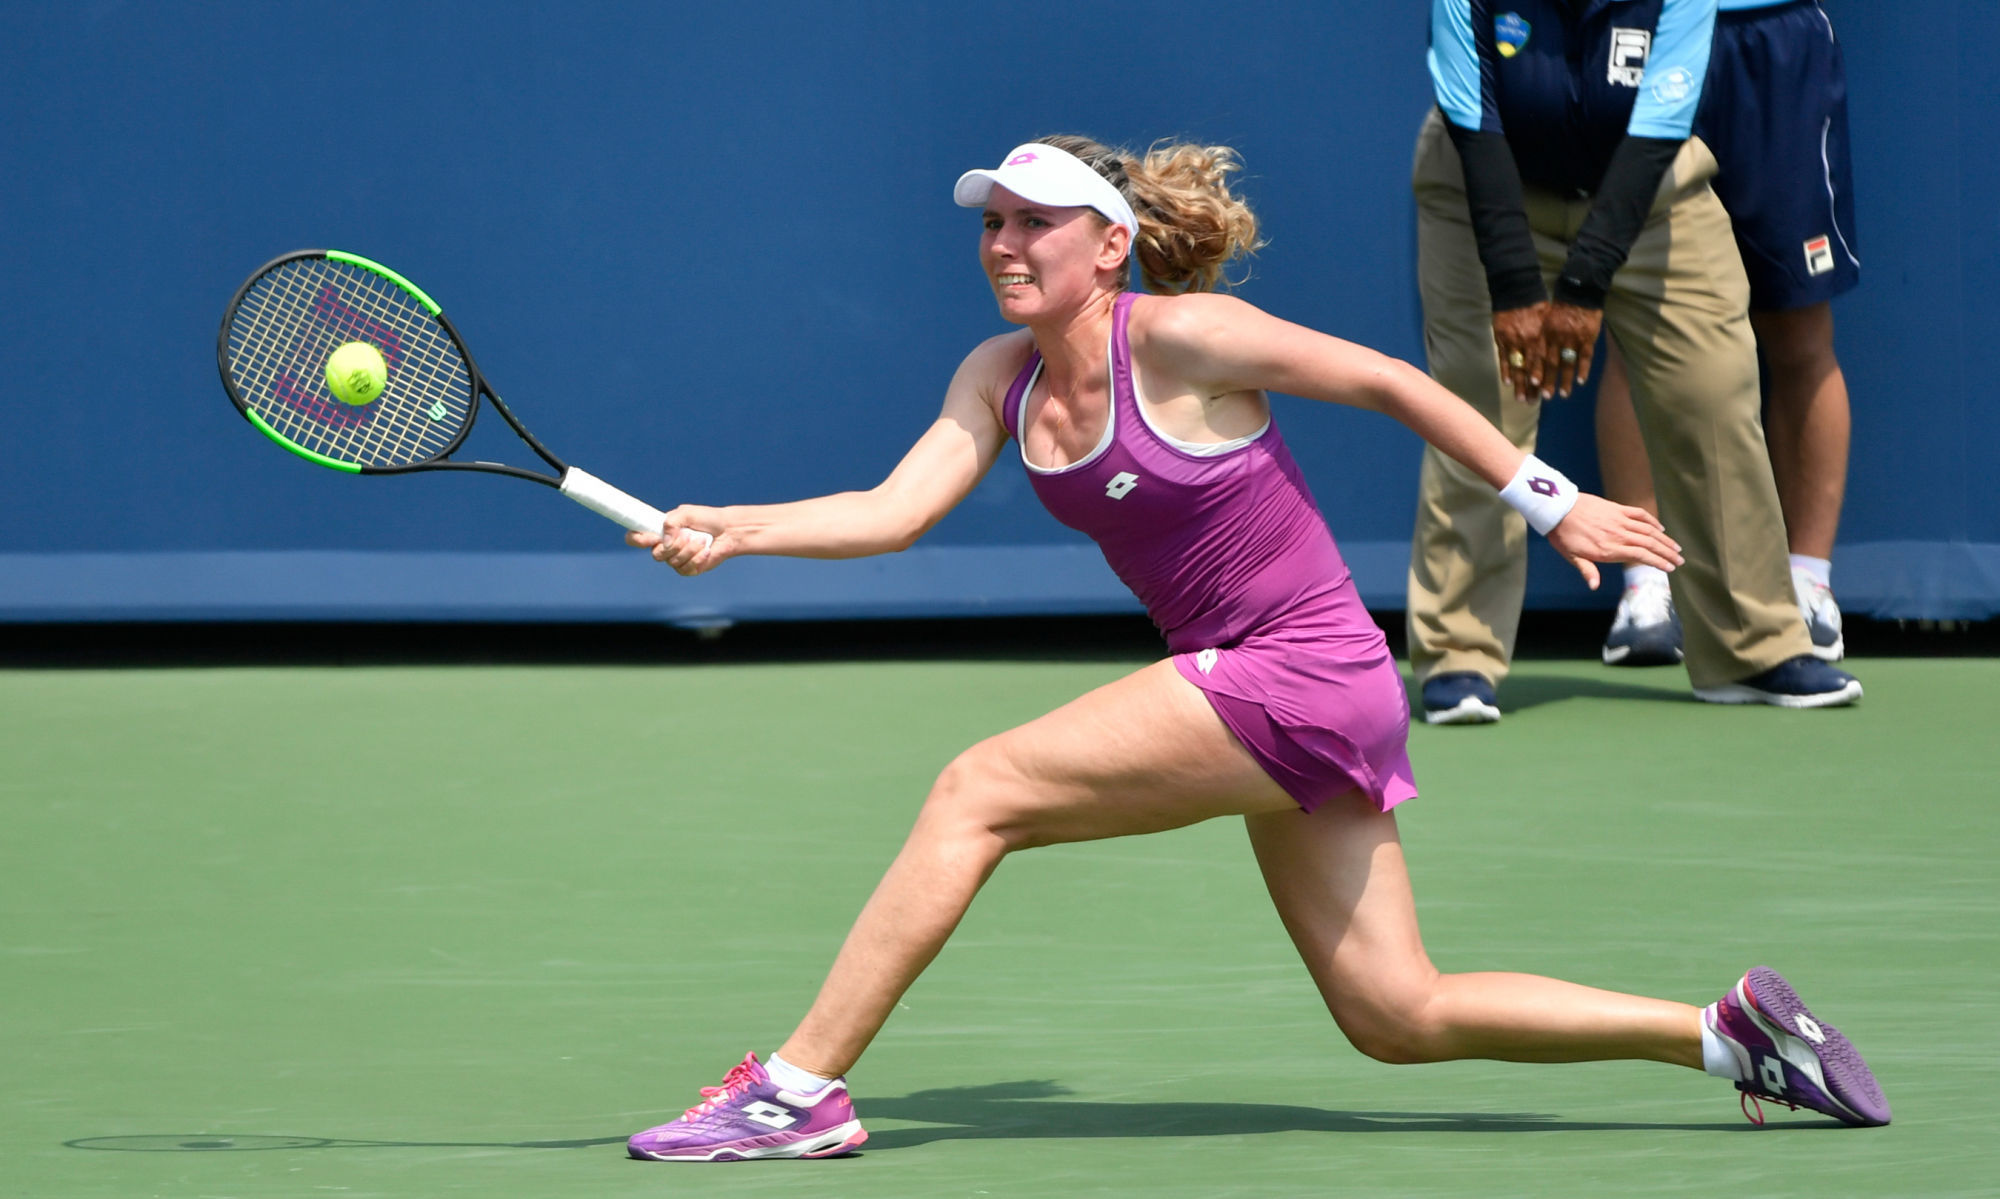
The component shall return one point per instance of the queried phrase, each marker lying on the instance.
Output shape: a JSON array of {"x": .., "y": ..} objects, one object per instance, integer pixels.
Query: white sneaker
[
  {"x": 1646, "y": 632},
  {"x": 1822, "y": 616}
]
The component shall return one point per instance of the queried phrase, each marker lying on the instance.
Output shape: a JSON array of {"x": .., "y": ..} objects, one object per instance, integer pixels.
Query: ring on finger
[
  {"x": 1568, "y": 354},
  {"x": 1517, "y": 359}
]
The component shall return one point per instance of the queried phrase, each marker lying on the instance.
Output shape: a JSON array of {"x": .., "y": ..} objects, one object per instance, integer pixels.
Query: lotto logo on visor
[{"x": 1051, "y": 176}]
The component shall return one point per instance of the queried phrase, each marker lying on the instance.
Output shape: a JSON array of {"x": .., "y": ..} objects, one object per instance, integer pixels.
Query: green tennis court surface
[{"x": 412, "y": 931}]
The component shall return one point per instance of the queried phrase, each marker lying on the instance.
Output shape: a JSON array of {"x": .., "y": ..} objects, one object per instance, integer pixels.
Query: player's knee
[
  {"x": 972, "y": 793},
  {"x": 1398, "y": 1042},
  {"x": 1395, "y": 1030}
]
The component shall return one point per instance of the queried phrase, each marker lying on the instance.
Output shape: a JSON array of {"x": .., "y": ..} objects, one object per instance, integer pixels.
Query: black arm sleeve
[
  {"x": 1499, "y": 218},
  {"x": 1624, "y": 197}
]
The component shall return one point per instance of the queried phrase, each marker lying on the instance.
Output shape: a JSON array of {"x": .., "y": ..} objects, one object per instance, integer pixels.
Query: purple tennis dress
[{"x": 1226, "y": 549}]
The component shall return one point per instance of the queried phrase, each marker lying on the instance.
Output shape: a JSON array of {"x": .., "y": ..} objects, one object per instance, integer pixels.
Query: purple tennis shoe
[
  {"x": 749, "y": 1116},
  {"x": 1788, "y": 1057}
]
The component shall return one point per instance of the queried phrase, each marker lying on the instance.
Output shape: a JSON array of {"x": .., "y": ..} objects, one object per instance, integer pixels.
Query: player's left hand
[
  {"x": 1569, "y": 338},
  {"x": 1597, "y": 530}
]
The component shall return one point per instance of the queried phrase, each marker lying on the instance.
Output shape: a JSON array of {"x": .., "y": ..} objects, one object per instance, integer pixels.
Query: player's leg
[
  {"x": 1338, "y": 879},
  {"x": 1144, "y": 754},
  {"x": 1340, "y": 886}
]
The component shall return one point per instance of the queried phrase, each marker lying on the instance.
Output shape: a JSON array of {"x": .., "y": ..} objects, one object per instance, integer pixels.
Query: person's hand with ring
[
  {"x": 1569, "y": 336},
  {"x": 1524, "y": 352}
]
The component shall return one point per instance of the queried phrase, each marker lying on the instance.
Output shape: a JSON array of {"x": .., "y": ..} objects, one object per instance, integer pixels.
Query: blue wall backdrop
[{"x": 708, "y": 252}]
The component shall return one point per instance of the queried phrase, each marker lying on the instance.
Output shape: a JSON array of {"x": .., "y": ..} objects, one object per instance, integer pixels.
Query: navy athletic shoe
[
  {"x": 1459, "y": 697},
  {"x": 1822, "y": 616},
  {"x": 1801, "y": 682},
  {"x": 1646, "y": 631}
]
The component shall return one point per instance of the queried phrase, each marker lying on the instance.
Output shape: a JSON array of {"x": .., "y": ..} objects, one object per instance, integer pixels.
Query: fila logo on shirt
[
  {"x": 1819, "y": 255},
  {"x": 1121, "y": 484},
  {"x": 1629, "y": 48},
  {"x": 769, "y": 1114}
]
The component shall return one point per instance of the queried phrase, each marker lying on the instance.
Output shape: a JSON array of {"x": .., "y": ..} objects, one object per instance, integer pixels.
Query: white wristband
[{"x": 1540, "y": 493}]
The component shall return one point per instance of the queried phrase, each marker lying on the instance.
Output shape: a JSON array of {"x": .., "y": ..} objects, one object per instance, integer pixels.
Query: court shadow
[
  {"x": 1034, "y": 1109},
  {"x": 1660, "y": 685},
  {"x": 1522, "y": 692},
  {"x": 219, "y": 1142},
  {"x": 1031, "y": 1109}
]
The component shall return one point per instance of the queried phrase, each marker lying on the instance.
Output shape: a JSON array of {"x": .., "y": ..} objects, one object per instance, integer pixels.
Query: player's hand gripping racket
[{"x": 406, "y": 411}]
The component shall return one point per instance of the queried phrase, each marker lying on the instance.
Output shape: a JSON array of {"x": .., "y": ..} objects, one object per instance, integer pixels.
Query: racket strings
[{"x": 291, "y": 321}]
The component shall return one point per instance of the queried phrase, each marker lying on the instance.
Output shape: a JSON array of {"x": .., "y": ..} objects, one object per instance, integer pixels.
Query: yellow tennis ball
[{"x": 356, "y": 373}]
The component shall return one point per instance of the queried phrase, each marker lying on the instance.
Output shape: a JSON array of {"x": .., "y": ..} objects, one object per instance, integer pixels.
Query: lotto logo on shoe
[
  {"x": 769, "y": 1114},
  {"x": 1819, "y": 255},
  {"x": 1773, "y": 1075},
  {"x": 1121, "y": 483},
  {"x": 1629, "y": 48}
]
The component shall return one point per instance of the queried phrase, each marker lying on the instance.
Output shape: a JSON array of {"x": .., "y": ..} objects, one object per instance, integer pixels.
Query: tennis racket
[{"x": 289, "y": 317}]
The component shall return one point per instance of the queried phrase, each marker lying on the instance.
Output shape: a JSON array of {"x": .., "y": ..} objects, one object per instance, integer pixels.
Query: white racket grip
[{"x": 628, "y": 510}]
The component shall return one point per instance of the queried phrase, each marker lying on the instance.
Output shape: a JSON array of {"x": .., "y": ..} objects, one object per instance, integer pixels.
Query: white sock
[
  {"x": 1716, "y": 1057},
  {"x": 793, "y": 1079},
  {"x": 1635, "y": 575},
  {"x": 1819, "y": 570}
]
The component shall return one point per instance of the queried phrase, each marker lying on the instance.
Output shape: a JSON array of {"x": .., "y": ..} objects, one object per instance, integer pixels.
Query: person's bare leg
[
  {"x": 1807, "y": 423},
  {"x": 1621, "y": 454},
  {"x": 1338, "y": 880},
  {"x": 1143, "y": 754}
]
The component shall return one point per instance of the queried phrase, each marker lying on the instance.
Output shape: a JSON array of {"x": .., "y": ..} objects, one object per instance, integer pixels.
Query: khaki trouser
[{"x": 1679, "y": 311}]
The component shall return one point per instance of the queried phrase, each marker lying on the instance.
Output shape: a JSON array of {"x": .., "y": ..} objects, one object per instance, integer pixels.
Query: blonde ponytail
[{"x": 1190, "y": 225}]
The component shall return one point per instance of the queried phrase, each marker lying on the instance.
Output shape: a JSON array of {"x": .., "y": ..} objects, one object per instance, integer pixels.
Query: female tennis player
[{"x": 1142, "y": 421}]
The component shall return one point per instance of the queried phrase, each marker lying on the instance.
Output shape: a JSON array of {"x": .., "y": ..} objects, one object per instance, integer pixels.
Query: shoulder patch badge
[
  {"x": 1510, "y": 33},
  {"x": 1673, "y": 85}
]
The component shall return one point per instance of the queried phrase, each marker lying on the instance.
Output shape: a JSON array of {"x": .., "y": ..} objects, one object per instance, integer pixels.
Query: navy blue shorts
[{"x": 1774, "y": 111}]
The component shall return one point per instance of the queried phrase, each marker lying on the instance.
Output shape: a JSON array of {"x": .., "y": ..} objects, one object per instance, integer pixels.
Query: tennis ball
[{"x": 356, "y": 373}]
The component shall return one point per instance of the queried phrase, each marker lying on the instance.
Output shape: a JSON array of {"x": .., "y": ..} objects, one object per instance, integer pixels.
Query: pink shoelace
[
  {"x": 734, "y": 1083},
  {"x": 1747, "y": 1098}
]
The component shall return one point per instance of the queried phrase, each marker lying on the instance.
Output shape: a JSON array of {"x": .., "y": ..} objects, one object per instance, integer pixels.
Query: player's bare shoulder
[
  {"x": 1185, "y": 333},
  {"x": 990, "y": 369}
]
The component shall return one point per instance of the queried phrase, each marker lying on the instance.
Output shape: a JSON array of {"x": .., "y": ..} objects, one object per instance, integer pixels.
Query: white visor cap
[{"x": 1043, "y": 174}]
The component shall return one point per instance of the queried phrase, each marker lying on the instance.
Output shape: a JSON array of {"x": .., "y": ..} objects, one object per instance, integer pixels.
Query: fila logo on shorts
[
  {"x": 1121, "y": 483},
  {"x": 769, "y": 1114},
  {"x": 1819, "y": 255},
  {"x": 1629, "y": 48}
]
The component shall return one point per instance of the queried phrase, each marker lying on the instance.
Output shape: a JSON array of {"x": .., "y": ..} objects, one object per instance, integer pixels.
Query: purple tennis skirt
[{"x": 1323, "y": 710}]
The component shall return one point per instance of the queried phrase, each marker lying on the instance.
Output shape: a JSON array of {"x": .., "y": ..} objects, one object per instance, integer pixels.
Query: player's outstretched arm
[
  {"x": 1220, "y": 344},
  {"x": 939, "y": 471}
]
